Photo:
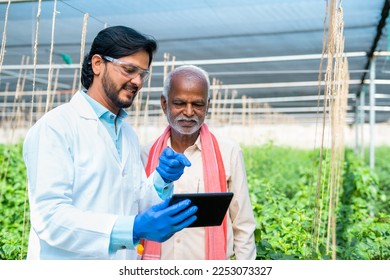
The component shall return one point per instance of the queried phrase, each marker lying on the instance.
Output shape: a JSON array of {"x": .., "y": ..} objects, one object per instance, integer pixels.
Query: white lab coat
[{"x": 78, "y": 185}]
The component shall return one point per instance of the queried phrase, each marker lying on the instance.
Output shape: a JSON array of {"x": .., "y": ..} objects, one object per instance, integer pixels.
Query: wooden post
[
  {"x": 234, "y": 93},
  {"x": 243, "y": 112}
]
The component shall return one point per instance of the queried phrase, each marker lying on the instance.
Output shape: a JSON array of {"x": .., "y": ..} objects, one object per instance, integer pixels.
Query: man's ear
[
  {"x": 97, "y": 64},
  {"x": 163, "y": 102}
]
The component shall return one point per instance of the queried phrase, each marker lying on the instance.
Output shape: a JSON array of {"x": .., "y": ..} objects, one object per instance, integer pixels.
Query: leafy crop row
[
  {"x": 14, "y": 219},
  {"x": 282, "y": 183}
]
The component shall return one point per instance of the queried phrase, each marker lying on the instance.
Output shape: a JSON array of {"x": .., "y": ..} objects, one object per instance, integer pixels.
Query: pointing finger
[{"x": 183, "y": 159}]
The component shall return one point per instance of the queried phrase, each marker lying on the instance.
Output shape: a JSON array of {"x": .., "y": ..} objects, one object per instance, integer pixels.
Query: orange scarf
[{"x": 212, "y": 164}]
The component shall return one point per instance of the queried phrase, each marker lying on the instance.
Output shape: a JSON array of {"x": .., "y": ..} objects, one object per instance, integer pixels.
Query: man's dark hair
[{"x": 116, "y": 42}]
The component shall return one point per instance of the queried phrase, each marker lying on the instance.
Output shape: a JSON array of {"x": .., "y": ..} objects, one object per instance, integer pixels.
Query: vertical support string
[
  {"x": 82, "y": 45},
  {"x": 50, "y": 73},
  {"x": 335, "y": 100},
  {"x": 35, "y": 61},
  {"x": 4, "y": 37}
]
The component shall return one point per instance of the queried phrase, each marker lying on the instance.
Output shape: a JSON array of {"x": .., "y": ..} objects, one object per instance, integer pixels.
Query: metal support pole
[
  {"x": 357, "y": 123},
  {"x": 372, "y": 113},
  {"x": 362, "y": 121}
]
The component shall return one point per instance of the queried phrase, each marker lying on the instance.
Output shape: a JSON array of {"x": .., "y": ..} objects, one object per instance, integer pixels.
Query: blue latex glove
[
  {"x": 171, "y": 165},
  {"x": 160, "y": 222}
]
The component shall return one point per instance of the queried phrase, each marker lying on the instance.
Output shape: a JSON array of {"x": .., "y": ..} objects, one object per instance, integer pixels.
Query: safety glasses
[{"x": 129, "y": 69}]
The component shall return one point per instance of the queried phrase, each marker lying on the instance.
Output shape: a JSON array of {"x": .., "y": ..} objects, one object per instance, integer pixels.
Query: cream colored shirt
[{"x": 190, "y": 242}]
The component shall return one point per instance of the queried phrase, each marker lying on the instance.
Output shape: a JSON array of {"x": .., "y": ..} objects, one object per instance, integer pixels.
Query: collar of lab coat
[
  {"x": 82, "y": 106},
  {"x": 85, "y": 110}
]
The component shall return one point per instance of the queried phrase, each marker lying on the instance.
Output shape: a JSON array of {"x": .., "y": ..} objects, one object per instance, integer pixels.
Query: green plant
[
  {"x": 382, "y": 169},
  {"x": 282, "y": 184},
  {"x": 363, "y": 226},
  {"x": 278, "y": 189},
  {"x": 14, "y": 218}
]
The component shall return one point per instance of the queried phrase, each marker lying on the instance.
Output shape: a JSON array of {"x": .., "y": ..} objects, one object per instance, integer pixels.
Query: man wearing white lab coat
[{"x": 88, "y": 193}]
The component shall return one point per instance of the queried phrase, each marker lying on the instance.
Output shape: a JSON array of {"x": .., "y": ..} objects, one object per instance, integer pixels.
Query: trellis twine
[
  {"x": 334, "y": 107},
  {"x": 50, "y": 73},
  {"x": 82, "y": 45}
]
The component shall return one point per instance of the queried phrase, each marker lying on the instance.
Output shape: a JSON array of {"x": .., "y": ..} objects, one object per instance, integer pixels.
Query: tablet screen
[{"x": 212, "y": 207}]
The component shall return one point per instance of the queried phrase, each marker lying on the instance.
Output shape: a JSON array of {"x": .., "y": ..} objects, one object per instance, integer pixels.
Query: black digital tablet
[{"x": 212, "y": 207}]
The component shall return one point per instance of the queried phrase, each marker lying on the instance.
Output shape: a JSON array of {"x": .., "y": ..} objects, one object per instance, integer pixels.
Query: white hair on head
[{"x": 192, "y": 69}]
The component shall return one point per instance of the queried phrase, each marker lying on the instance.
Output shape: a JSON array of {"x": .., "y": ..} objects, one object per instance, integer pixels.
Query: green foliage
[
  {"x": 382, "y": 168},
  {"x": 267, "y": 162},
  {"x": 279, "y": 189},
  {"x": 282, "y": 184},
  {"x": 14, "y": 218},
  {"x": 363, "y": 225}
]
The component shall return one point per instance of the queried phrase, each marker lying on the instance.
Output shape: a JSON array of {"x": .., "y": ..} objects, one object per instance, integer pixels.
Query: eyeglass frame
[{"x": 144, "y": 74}]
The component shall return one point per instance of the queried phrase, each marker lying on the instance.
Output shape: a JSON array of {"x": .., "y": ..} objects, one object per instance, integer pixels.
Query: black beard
[{"x": 113, "y": 94}]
